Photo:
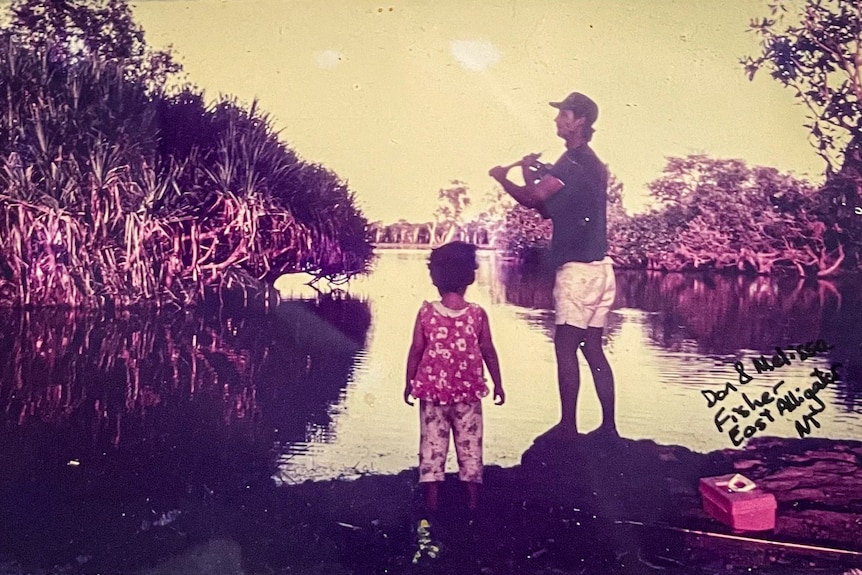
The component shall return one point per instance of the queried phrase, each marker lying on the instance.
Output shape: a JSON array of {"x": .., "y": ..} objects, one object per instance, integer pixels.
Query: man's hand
[
  {"x": 499, "y": 396},
  {"x": 407, "y": 392},
  {"x": 499, "y": 172},
  {"x": 530, "y": 159}
]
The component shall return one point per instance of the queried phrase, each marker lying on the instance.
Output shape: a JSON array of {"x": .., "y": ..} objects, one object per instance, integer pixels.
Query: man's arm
[{"x": 533, "y": 193}]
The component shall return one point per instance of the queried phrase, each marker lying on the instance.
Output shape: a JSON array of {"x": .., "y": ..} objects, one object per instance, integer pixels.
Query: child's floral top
[{"x": 451, "y": 368}]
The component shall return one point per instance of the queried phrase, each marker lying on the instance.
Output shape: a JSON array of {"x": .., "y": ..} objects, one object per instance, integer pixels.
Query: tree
[
  {"x": 489, "y": 225},
  {"x": 449, "y": 216},
  {"x": 616, "y": 214},
  {"x": 648, "y": 240},
  {"x": 815, "y": 48},
  {"x": 816, "y": 52},
  {"x": 722, "y": 214},
  {"x": 525, "y": 232},
  {"x": 105, "y": 30}
]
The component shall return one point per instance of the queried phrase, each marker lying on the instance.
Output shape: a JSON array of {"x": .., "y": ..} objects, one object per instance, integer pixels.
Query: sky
[{"x": 399, "y": 98}]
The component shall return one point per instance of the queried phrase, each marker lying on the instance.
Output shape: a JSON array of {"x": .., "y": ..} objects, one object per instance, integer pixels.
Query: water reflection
[
  {"x": 718, "y": 316},
  {"x": 172, "y": 380},
  {"x": 312, "y": 385}
]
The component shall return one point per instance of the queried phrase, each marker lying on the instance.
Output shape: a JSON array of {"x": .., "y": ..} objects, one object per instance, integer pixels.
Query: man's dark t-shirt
[{"x": 579, "y": 209}]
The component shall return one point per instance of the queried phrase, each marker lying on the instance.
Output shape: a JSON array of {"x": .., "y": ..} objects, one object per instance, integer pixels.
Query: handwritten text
[{"x": 741, "y": 414}]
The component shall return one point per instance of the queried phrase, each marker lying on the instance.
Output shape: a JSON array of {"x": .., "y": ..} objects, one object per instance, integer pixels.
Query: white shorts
[{"x": 584, "y": 293}]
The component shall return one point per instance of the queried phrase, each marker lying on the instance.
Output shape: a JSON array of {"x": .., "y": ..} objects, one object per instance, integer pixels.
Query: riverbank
[{"x": 591, "y": 506}]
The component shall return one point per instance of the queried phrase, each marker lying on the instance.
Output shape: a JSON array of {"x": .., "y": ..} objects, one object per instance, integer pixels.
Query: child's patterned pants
[{"x": 464, "y": 420}]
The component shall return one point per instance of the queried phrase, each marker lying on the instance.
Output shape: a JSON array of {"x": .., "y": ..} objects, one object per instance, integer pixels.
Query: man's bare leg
[
  {"x": 602, "y": 376},
  {"x": 567, "y": 339}
]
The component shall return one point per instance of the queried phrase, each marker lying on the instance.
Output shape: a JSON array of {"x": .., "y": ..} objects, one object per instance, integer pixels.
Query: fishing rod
[
  {"x": 743, "y": 538},
  {"x": 535, "y": 162}
]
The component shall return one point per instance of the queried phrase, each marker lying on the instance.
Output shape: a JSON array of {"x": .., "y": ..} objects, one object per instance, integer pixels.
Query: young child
[{"x": 451, "y": 339}]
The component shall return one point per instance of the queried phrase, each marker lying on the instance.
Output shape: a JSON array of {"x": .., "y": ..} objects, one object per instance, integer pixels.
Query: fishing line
[
  {"x": 729, "y": 536},
  {"x": 802, "y": 546}
]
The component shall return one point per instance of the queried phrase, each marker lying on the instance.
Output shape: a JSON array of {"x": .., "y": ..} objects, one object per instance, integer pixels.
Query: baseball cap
[{"x": 581, "y": 105}]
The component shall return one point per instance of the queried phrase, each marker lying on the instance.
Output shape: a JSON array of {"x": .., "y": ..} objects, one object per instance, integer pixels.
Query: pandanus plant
[{"x": 114, "y": 192}]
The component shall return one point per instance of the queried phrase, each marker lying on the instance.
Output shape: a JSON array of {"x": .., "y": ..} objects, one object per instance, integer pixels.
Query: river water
[
  {"x": 669, "y": 338},
  {"x": 310, "y": 388}
]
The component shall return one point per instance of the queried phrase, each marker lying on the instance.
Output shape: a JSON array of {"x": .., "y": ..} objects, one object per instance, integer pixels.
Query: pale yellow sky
[{"x": 401, "y": 97}]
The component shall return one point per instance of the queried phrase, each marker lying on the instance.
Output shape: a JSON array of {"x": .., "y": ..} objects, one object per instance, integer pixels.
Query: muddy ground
[{"x": 590, "y": 506}]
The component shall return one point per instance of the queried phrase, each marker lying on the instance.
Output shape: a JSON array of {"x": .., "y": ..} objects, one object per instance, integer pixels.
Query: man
[{"x": 573, "y": 194}]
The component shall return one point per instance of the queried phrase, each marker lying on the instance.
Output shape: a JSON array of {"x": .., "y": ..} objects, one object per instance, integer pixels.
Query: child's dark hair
[{"x": 453, "y": 267}]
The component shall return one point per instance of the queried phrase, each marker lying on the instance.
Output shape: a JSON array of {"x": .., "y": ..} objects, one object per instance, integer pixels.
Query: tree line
[{"x": 711, "y": 214}]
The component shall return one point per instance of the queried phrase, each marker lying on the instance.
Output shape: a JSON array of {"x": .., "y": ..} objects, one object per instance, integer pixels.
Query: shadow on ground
[{"x": 585, "y": 506}]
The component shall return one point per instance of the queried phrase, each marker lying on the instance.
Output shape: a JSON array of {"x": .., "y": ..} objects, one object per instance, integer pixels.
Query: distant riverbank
[{"x": 420, "y": 247}]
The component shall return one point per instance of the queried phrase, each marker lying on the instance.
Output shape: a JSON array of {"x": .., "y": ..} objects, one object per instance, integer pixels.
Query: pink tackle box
[{"x": 736, "y": 501}]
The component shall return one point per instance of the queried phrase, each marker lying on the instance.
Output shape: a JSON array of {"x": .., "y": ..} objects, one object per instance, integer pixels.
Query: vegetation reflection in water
[
  {"x": 311, "y": 385},
  {"x": 196, "y": 392}
]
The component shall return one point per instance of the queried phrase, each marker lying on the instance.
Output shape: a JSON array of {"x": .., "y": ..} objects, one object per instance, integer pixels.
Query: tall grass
[{"x": 114, "y": 193}]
